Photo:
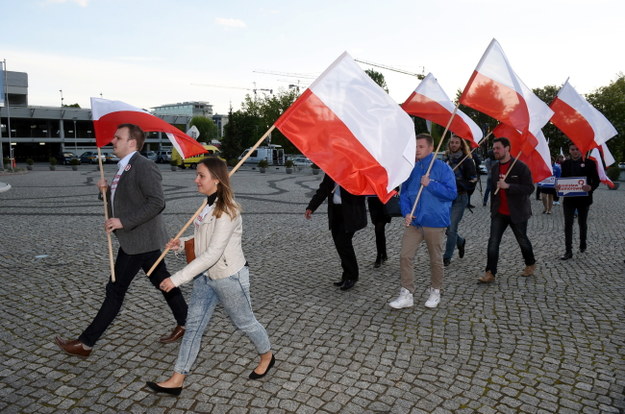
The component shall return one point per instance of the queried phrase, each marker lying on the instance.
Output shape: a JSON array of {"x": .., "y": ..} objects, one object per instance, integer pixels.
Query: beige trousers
[{"x": 413, "y": 236}]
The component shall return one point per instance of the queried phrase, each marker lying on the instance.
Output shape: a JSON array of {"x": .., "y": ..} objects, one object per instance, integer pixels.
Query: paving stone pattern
[{"x": 549, "y": 343}]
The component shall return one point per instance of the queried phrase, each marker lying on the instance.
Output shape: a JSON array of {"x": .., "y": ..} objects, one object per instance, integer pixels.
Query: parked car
[
  {"x": 163, "y": 156},
  {"x": 483, "y": 170},
  {"x": 110, "y": 158},
  {"x": 301, "y": 161},
  {"x": 65, "y": 158},
  {"x": 621, "y": 165},
  {"x": 150, "y": 155},
  {"x": 90, "y": 157}
]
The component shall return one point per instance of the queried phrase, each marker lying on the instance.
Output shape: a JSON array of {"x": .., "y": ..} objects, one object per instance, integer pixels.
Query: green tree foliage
[
  {"x": 610, "y": 101},
  {"x": 377, "y": 78},
  {"x": 256, "y": 116},
  {"x": 206, "y": 126}
]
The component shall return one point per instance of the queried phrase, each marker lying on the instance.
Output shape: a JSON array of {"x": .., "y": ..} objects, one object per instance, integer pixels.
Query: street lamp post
[
  {"x": 61, "y": 92},
  {"x": 75, "y": 138}
]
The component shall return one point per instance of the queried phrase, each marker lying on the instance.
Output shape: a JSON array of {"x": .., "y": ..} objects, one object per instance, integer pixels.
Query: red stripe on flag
[
  {"x": 320, "y": 135},
  {"x": 496, "y": 100},
  {"x": 426, "y": 108},
  {"x": 573, "y": 124}
]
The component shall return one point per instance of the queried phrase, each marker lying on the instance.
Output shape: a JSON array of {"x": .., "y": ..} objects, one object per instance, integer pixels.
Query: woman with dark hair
[{"x": 220, "y": 275}]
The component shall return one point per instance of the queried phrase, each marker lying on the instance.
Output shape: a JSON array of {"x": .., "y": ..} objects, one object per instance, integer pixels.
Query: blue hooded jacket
[{"x": 434, "y": 206}]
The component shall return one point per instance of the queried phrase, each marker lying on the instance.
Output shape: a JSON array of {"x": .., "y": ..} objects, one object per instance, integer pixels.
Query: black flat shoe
[
  {"x": 348, "y": 284},
  {"x": 157, "y": 388},
  {"x": 567, "y": 256},
  {"x": 254, "y": 375},
  {"x": 339, "y": 283}
]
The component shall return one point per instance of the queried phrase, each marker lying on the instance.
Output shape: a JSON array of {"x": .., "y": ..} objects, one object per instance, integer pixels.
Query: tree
[
  {"x": 256, "y": 116},
  {"x": 610, "y": 101},
  {"x": 206, "y": 126},
  {"x": 377, "y": 78}
]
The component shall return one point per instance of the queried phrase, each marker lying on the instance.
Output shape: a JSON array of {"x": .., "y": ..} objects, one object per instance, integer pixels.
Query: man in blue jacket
[{"x": 428, "y": 222}]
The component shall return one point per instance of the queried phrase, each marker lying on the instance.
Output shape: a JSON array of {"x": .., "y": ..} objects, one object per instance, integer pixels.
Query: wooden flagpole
[
  {"x": 199, "y": 210},
  {"x": 438, "y": 147},
  {"x": 509, "y": 169},
  {"x": 106, "y": 217}
]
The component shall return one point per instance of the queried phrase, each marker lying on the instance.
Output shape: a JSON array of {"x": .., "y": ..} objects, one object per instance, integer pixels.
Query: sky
[{"x": 154, "y": 52}]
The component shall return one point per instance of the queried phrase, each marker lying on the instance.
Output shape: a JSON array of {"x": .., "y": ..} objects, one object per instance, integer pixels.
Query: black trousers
[
  {"x": 344, "y": 247},
  {"x": 126, "y": 268},
  {"x": 569, "y": 206}
]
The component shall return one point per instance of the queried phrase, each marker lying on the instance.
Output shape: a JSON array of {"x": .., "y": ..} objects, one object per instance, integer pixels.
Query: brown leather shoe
[
  {"x": 529, "y": 270},
  {"x": 488, "y": 277},
  {"x": 72, "y": 347},
  {"x": 173, "y": 336}
]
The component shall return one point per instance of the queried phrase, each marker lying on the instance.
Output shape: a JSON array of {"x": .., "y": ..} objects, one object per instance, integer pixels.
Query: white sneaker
[
  {"x": 434, "y": 299},
  {"x": 404, "y": 300}
]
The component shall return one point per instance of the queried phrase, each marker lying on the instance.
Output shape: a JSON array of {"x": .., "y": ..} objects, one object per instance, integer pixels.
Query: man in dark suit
[
  {"x": 578, "y": 167},
  {"x": 346, "y": 215},
  {"x": 136, "y": 202}
]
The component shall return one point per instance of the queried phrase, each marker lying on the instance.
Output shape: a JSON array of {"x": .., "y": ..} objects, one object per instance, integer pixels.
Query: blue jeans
[
  {"x": 498, "y": 224},
  {"x": 453, "y": 238},
  {"x": 233, "y": 293}
]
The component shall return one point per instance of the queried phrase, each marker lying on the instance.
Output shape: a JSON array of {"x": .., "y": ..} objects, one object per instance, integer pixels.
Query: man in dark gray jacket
[
  {"x": 136, "y": 202},
  {"x": 511, "y": 206}
]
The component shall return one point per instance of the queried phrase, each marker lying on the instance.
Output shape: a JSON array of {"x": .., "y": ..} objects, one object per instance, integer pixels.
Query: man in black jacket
[
  {"x": 578, "y": 167},
  {"x": 346, "y": 215},
  {"x": 509, "y": 207}
]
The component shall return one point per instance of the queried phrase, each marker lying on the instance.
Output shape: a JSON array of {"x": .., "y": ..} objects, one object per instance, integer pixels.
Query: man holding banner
[{"x": 586, "y": 169}]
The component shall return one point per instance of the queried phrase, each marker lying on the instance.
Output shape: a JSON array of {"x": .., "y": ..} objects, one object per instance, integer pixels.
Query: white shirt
[{"x": 121, "y": 167}]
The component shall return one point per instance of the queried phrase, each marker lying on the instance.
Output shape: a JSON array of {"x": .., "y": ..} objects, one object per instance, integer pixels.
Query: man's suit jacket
[
  {"x": 138, "y": 203},
  {"x": 353, "y": 211}
]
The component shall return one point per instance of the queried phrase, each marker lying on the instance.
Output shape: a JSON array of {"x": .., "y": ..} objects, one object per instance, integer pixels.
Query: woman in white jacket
[{"x": 219, "y": 273}]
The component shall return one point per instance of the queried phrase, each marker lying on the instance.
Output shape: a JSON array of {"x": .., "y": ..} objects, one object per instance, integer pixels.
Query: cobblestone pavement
[{"x": 549, "y": 343}]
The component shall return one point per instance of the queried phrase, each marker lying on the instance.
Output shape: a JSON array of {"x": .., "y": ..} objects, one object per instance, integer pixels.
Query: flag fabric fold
[
  {"x": 347, "y": 125},
  {"x": 429, "y": 101},
  {"x": 579, "y": 120},
  {"x": 108, "y": 114},
  {"x": 538, "y": 159},
  {"x": 595, "y": 155}
]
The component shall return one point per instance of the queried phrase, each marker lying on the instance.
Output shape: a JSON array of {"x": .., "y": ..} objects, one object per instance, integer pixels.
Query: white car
[{"x": 301, "y": 162}]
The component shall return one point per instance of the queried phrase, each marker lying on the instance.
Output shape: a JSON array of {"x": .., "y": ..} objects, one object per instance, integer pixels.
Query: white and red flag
[
  {"x": 496, "y": 90},
  {"x": 429, "y": 101},
  {"x": 538, "y": 159},
  {"x": 596, "y": 156},
  {"x": 347, "y": 125},
  {"x": 107, "y": 115},
  {"x": 579, "y": 120}
]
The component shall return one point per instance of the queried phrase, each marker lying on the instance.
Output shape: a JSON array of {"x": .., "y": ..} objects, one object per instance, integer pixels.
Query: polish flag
[
  {"x": 347, "y": 125},
  {"x": 429, "y": 101},
  {"x": 107, "y": 115},
  {"x": 496, "y": 90},
  {"x": 595, "y": 155},
  {"x": 579, "y": 120},
  {"x": 538, "y": 159},
  {"x": 607, "y": 156}
]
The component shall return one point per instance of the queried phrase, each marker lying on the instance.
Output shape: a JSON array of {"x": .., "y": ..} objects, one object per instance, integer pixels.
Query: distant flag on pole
[
  {"x": 429, "y": 101},
  {"x": 107, "y": 115},
  {"x": 350, "y": 127},
  {"x": 579, "y": 120},
  {"x": 595, "y": 155}
]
